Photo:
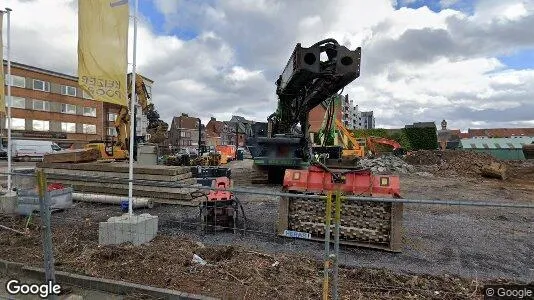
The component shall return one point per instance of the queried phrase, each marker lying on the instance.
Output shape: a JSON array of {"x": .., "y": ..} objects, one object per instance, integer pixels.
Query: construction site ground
[{"x": 449, "y": 252}]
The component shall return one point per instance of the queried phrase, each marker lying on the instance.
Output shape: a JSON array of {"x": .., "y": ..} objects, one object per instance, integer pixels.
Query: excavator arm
[
  {"x": 307, "y": 80},
  {"x": 372, "y": 141},
  {"x": 122, "y": 122},
  {"x": 347, "y": 137}
]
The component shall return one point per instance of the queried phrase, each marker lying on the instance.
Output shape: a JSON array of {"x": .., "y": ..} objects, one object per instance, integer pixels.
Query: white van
[{"x": 27, "y": 150}]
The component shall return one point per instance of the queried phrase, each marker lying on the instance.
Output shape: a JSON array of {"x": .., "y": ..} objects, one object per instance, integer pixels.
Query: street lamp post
[{"x": 9, "y": 81}]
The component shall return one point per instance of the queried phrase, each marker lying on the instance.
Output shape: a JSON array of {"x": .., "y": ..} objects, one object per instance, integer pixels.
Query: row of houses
[{"x": 186, "y": 132}]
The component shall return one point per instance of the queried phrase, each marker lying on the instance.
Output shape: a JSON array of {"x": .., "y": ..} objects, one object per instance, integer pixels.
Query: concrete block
[
  {"x": 24, "y": 178},
  {"x": 8, "y": 203},
  {"x": 137, "y": 229}
]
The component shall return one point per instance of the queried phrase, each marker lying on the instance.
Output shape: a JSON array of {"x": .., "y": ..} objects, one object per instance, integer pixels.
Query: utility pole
[
  {"x": 132, "y": 112},
  {"x": 10, "y": 81},
  {"x": 199, "y": 136},
  {"x": 236, "y": 135}
]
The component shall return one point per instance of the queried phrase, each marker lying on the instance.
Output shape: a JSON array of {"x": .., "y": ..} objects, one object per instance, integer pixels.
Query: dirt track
[{"x": 472, "y": 242}]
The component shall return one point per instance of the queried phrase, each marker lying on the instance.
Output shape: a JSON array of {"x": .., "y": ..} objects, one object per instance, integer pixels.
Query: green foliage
[
  {"x": 422, "y": 138},
  {"x": 402, "y": 139},
  {"x": 329, "y": 138}
]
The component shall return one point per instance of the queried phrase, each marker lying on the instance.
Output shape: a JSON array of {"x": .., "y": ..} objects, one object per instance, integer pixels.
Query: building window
[
  {"x": 89, "y": 111},
  {"x": 112, "y": 117},
  {"x": 17, "y": 124},
  {"x": 17, "y": 81},
  {"x": 86, "y": 95},
  {"x": 149, "y": 91},
  {"x": 40, "y": 125},
  {"x": 89, "y": 128},
  {"x": 17, "y": 102},
  {"x": 68, "y": 127},
  {"x": 68, "y": 90},
  {"x": 68, "y": 109},
  {"x": 112, "y": 131},
  {"x": 40, "y": 85},
  {"x": 41, "y": 105}
]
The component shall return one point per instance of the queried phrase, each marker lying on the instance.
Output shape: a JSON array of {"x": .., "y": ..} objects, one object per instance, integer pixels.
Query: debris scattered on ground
[
  {"x": 451, "y": 162},
  {"x": 233, "y": 272},
  {"x": 387, "y": 164}
]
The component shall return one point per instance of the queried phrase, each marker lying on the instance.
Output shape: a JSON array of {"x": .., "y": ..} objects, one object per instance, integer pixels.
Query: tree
[{"x": 156, "y": 127}]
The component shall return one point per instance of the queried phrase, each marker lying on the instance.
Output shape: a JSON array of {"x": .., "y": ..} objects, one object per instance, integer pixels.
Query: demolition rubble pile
[
  {"x": 455, "y": 162},
  {"x": 387, "y": 165}
]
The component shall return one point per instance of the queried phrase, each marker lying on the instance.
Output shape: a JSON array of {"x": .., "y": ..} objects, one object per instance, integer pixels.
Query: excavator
[
  {"x": 352, "y": 150},
  {"x": 118, "y": 150},
  {"x": 308, "y": 80},
  {"x": 372, "y": 142}
]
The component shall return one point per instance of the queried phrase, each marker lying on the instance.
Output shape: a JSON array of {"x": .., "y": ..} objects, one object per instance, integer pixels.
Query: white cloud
[{"x": 417, "y": 65}]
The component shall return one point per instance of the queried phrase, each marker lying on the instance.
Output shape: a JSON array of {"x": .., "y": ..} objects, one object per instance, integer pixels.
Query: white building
[{"x": 350, "y": 114}]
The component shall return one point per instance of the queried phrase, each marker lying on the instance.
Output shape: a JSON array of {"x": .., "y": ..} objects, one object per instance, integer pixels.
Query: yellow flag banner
[
  {"x": 2, "y": 92},
  {"x": 103, "y": 49}
]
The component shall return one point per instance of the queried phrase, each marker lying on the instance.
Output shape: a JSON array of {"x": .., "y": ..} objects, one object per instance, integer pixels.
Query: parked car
[{"x": 27, "y": 150}]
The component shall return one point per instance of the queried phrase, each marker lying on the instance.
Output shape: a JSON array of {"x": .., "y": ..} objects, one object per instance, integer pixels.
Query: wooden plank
[
  {"x": 72, "y": 156},
  {"x": 166, "y": 178},
  {"x": 283, "y": 215},
  {"x": 119, "y": 167},
  {"x": 118, "y": 188},
  {"x": 396, "y": 227}
]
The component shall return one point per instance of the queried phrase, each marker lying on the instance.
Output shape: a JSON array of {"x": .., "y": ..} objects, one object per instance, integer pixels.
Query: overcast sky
[{"x": 470, "y": 62}]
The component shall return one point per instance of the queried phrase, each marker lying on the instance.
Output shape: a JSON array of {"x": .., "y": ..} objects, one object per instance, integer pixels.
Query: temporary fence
[{"x": 85, "y": 236}]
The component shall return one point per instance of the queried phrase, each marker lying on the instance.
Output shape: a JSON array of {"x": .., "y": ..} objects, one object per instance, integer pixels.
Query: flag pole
[
  {"x": 132, "y": 112},
  {"x": 10, "y": 81}
]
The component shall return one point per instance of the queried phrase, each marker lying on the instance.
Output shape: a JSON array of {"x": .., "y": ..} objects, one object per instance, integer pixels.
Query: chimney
[
  {"x": 213, "y": 119},
  {"x": 184, "y": 115}
]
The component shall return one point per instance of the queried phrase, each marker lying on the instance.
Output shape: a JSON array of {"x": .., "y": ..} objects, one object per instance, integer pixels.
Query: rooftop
[{"x": 496, "y": 143}]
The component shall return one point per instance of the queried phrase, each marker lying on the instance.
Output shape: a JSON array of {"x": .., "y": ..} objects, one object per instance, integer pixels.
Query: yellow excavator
[
  {"x": 118, "y": 150},
  {"x": 351, "y": 147}
]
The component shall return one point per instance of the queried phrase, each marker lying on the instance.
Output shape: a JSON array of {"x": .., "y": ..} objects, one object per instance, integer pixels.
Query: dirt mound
[{"x": 457, "y": 162}]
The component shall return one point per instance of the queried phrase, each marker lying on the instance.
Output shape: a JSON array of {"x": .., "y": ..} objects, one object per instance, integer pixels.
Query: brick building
[
  {"x": 48, "y": 105},
  {"x": 317, "y": 114},
  {"x": 215, "y": 132},
  {"x": 184, "y": 132}
]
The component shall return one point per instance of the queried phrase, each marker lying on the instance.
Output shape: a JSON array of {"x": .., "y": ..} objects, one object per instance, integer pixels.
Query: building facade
[
  {"x": 48, "y": 105},
  {"x": 215, "y": 132},
  {"x": 351, "y": 117},
  {"x": 184, "y": 132},
  {"x": 367, "y": 120}
]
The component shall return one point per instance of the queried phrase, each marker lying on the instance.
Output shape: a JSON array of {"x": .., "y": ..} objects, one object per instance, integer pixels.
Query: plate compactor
[{"x": 221, "y": 209}]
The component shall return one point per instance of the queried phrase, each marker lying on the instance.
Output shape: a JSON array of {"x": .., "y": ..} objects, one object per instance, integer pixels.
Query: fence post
[
  {"x": 44, "y": 212},
  {"x": 337, "y": 221},
  {"x": 327, "y": 263}
]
